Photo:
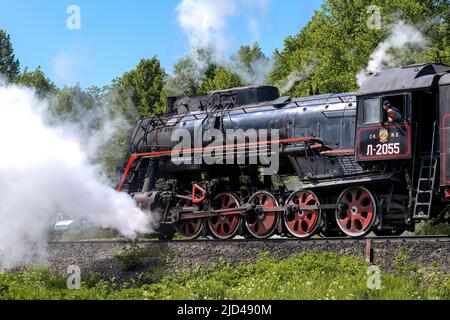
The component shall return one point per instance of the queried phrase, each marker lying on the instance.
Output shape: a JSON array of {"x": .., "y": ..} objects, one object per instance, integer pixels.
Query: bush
[
  {"x": 430, "y": 229},
  {"x": 132, "y": 257}
]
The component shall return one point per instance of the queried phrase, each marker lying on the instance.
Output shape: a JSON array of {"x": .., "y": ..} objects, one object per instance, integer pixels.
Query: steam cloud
[
  {"x": 298, "y": 75},
  {"x": 44, "y": 171},
  {"x": 205, "y": 23},
  {"x": 401, "y": 37},
  {"x": 257, "y": 73}
]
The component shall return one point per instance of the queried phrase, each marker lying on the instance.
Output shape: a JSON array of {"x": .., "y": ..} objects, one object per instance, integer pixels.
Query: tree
[
  {"x": 337, "y": 43},
  {"x": 69, "y": 104},
  {"x": 37, "y": 79},
  {"x": 9, "y": 65},
  {"x": 136, "y": 94},
  {"x": 189, "y": 73},
  {"x": 220, "y": 78},
  {"x": 248, "y": 54},
  {"x": 251, "y": 64},
  {"x": 200, "y": 71},
  {"x": 141, "y": 88}
]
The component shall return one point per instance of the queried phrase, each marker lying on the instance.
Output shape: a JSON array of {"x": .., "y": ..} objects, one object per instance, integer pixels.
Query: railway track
[{"x": 443, "y": 238}]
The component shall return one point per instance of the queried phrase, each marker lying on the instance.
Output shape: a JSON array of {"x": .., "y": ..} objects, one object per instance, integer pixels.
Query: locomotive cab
[
  {"x": 377, "y": 138},
  {"x": 414, "y": 92},
  {"x": 409, "y": 145}
]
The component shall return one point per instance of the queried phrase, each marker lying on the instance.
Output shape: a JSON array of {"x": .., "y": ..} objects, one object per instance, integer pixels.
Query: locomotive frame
[{"x": 352, "y": 172}]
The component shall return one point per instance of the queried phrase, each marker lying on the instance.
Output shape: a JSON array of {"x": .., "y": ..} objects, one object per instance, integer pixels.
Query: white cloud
[{"x": 205, "y": 22}]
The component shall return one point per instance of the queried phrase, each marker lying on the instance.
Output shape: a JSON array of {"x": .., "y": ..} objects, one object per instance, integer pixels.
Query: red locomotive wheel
[
  {"x": 189, "y": 229},
  {"x": 262, "y": 225},
  {"x": 356, "y": 211},
  {"x": 302, "y": 223},
  {"x": 226, "y": 226}
]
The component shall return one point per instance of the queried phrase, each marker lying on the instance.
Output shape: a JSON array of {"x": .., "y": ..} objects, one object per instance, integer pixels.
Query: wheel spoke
[
  {"x": 269, "y": 222},
  {"x": 353, "y": 228},
  {"x": 345, "y": 221}
]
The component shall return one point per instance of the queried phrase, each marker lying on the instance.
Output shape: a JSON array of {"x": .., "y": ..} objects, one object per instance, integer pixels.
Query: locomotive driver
[{"x": 394, "y": 115}]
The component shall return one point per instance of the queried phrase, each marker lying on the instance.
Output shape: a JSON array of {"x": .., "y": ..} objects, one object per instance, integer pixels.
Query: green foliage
[
  {"x": 141, "y": 88},
  {"x": 136, "y": 94},
  {"x": 36, "y": 79},
  {"x": 306, "y": 276},
  {"x": 92, "y": 278},
  {"x": 199, "y": 72},
  {"x": 189, "y": 72},
  {"x": 252, "y": 65},
  {"x": 247, "y": 54},
  {"x": 32, "y": 284},
  {"x": 115, "y": 153},
  {"x": 336, "y": 44},
  {"x": 402, "y": 263},
  {"x": 9, "y": 65},
  {"x": 219, "y": 79},
  {"x": 132, "y": 257},
  {"x": 85, "y": 107},
  {"x": 430, "y": 229}
]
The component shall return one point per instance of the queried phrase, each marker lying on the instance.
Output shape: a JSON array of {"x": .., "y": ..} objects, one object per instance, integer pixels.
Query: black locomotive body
[{"x": 248, "y": 162}]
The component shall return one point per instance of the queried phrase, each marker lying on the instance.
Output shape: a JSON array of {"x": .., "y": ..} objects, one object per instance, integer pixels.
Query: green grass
[
  {"x": 429, "y": 229},
  {"x": 132, "y": 258},
  {"x": 307, "y": 276}
]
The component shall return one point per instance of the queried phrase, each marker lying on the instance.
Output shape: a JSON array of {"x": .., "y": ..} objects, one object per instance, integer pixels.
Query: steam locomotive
[{"x": 341, "y": 168}]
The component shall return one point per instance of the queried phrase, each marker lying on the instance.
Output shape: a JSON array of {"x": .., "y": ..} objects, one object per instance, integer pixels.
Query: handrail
[{"x": 432, "y": 149}]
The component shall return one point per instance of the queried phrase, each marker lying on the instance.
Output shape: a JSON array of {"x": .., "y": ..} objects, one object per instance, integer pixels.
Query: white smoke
[
  {"x": 298, "y": 75},
  {"x": 205, "y": 22},
  {"x": 402, "y": 36},
  {"x": 45, "y": 171},
  {"x": 256, "y": 73}
]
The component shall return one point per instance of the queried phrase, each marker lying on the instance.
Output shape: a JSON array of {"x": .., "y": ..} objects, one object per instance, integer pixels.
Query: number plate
[{"x": 384, "y": 142}]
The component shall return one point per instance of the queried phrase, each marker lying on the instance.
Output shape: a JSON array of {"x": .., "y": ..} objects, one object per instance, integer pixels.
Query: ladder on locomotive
[
  {"x": 425, "y": 187},
  {"x": 426, "y": 182}
]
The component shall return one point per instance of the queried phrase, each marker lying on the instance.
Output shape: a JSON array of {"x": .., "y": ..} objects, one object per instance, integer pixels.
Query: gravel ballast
[{"x": 101, "y": 256}]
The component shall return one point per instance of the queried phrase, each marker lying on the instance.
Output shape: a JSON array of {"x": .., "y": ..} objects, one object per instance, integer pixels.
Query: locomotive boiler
[{"x": 248, "y": 162}]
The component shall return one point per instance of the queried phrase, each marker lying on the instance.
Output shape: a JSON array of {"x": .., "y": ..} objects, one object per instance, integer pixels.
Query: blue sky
[{"x": 116, "y": 34}]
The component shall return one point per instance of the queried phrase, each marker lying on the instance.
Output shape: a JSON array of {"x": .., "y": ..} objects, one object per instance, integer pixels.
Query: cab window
[
  {"x": 371, "y": 111},
  {"x": 398, "y": 102}
]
